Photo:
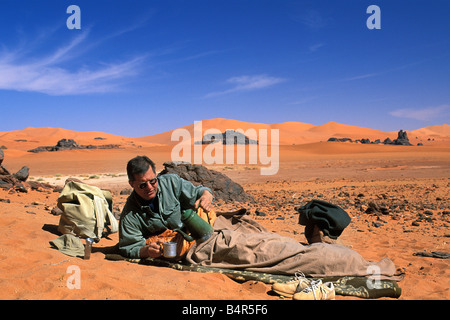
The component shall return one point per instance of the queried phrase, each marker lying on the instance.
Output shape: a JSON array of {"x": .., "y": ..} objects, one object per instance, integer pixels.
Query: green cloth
[
  {"x": 356, "y": 286},
  {"x": 138, "y": 221},
  {"x": 69, "y": 244},
  {"x": 330, "y": 218}
]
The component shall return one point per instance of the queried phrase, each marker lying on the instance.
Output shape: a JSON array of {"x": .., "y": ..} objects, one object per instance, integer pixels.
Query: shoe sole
[{"x": 283, "y": 293}]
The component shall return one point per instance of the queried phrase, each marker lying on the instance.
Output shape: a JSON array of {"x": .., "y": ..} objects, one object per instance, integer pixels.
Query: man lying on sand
[{"x": 154, "y": 209}]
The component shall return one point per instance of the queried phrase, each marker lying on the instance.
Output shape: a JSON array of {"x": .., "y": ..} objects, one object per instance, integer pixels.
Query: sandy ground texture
[{"x": 398, "y": 198}]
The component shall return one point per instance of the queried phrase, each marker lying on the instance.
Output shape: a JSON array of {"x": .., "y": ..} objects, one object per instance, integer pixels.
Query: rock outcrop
[
  {"x": 70, "y": 144},
  {"x": 402, "y": 139},
  {"x": 17, "y": 182},
  {"x": 227, "y": 137},
  {"x": 221, "y": 185}
]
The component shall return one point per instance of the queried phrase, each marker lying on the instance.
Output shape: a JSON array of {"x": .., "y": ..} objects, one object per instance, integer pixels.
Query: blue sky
[{"x": 141, "y": 67}]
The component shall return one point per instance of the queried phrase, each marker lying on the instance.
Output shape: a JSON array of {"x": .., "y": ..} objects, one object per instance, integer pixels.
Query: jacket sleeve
[
  {"x": 188, "y": 193},
  {"x": 131, "y": 238}
]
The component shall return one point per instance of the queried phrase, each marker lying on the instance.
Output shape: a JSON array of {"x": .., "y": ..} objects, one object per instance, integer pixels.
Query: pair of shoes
[
  {"x": 316, "y": 291},
  {"x": 287, "y": 289}
]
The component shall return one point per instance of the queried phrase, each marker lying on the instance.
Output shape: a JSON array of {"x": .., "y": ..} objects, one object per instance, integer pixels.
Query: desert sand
[{"x": 412, "y": 183}]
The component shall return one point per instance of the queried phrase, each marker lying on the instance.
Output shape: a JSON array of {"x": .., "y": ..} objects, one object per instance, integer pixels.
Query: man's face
[{"x": 145, "y": 185}]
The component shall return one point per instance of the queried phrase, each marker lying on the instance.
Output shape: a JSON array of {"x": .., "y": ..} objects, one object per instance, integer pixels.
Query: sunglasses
[{"x": 144, "y": 185}]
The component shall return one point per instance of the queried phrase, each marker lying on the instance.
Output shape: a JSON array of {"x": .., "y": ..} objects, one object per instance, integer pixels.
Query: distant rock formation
[
  {"x": 402, "y": 139},
  {"x": 222, "y": 186},
  {"x": 227, "y": 137},
  {"x": 70, "y": 144}
]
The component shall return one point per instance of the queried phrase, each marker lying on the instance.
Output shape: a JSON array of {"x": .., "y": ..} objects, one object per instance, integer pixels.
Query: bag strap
[
  {"x": 101, "y": 211},
  {"x": 112, "y": 219}
]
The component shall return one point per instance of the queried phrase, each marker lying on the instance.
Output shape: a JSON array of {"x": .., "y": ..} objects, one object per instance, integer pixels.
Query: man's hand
[
  {"x": 153, "y": 250},
  {"x": 205, "y": 201}
]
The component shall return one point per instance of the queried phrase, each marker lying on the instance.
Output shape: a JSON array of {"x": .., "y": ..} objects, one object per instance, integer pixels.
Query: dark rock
[
  {"x": 340, "y": 139},
  {"x": 70, "y": 144},
  {"x": 2, "y": 156},
  {"x": 58, "y": 189},
  {"x": 12, "y": 182},
  {"x": 126, "y": 191},
  {"x": 402, "y": 139},
  {"x": 222, "y": 186},
  {"x": 22, "y": 187},
  {"x": 377, "y": 224},
  {"x": 4, "y": 171},
  {"x": 260, "y": 213},
  {"x": 56, "y": 211},
  {"x": 227, "y": 137},
  {"x": 66, "y": 144},
  {"x": 40, "y": 186},
  {"x": 8, "y": 179},
  {"x": 372, "y": 208},
  {"x": 22, "y": 174},
  {"x": 415, "y": 223}
]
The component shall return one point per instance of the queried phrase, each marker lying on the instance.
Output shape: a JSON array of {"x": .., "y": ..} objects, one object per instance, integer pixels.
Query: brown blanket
[{"x": 241, "y": 243}]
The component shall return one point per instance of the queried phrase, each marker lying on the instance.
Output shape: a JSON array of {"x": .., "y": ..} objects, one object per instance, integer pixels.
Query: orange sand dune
[
  {"x": 289, "y": 133},
  {"x": 298, "y": 132},
  {"x": 438, "y": 130},
  {"x": 31, "y": 138}
]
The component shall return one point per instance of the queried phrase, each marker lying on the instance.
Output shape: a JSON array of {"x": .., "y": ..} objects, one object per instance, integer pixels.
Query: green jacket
[{"x": 138, "y": 221}]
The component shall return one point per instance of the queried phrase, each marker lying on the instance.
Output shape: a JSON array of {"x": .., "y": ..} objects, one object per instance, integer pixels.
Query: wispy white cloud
[
  {"x": 313, "y": 19},
  {"x": 383, "y": 72},
  {"x": 315, "y": 47},
  {"x": 425, "y": 114},
  {"x": 248, "y": 83},
  {"x": 363, "y": 76},
  {"x": 50, "y": 76}
]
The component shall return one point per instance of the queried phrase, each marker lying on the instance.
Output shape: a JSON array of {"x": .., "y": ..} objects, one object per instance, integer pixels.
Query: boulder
[
  {"x": 17, "y": 182},
  {"x": 221, "y": 185},
  {"x": 228, "y": 137},
  {"x": 66, "y": 144},
  {"x": 22, "y": 174},
  {"x": 2, "y": 156},
  {"x": 402, "y": 139}
]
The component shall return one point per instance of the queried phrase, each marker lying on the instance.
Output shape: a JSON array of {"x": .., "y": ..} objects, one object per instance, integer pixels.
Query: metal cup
[{"x": 169, "y": 249}]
